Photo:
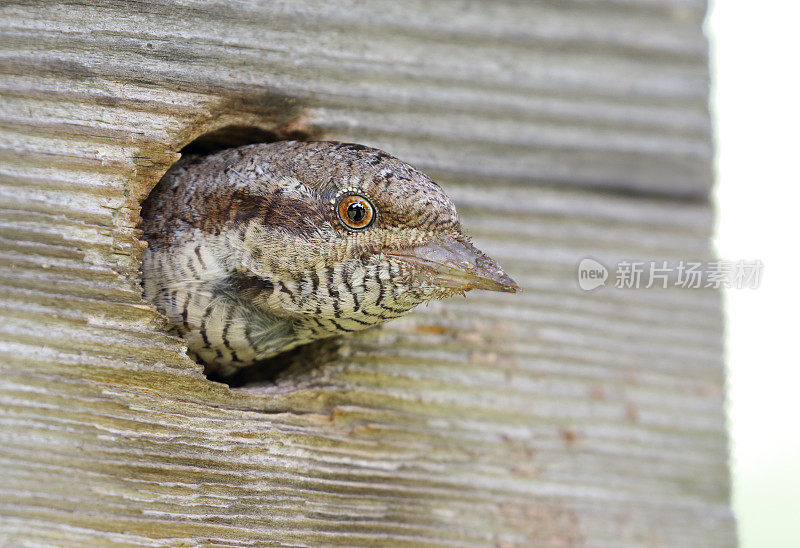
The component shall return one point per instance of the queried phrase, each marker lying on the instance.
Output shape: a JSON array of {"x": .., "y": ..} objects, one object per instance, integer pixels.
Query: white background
[{"x": 756, "y": 73}]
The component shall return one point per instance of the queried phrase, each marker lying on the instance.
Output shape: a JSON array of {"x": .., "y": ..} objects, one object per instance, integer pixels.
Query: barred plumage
[{"x": 253, "y": 251}]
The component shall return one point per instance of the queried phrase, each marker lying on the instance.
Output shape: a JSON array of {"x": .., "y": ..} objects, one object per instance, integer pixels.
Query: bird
[{"x": 255, "y": 250}]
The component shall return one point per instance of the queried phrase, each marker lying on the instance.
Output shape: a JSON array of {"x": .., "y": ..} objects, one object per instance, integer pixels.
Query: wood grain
[{"x": 551, "y": 418}]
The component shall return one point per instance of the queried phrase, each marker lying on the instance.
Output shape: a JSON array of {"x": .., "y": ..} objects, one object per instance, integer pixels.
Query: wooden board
[{"x": 555, "y": 417}]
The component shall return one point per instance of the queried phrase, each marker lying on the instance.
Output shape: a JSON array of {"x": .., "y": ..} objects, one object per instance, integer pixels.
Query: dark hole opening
[
  {"x": 297, "y": 363},
  {"x": 229, "y": 137}
]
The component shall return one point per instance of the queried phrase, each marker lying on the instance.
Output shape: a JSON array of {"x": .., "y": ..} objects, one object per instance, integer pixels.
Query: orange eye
[{"x": 356, "y": 212}]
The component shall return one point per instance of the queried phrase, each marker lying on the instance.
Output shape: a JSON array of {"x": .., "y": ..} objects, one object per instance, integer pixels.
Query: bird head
[
  {"x": 334, "y": 209},
  {"x": 258, "y": 249}
]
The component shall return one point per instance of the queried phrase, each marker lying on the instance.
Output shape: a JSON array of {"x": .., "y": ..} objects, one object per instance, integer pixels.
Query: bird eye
[{"x": 356, "y": 212}]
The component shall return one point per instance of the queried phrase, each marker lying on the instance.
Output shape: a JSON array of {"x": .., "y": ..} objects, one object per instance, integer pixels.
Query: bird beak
[{"x": 456, "y": 264}]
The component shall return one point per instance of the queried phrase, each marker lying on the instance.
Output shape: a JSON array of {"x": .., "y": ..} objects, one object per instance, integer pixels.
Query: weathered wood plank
[
  {"x": 554, "y": 417},
  {"x": 593, "y": 93}
]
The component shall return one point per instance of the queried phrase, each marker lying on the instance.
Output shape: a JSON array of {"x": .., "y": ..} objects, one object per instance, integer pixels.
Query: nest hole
[
  {"x": 293, "y": 365},
  {"x": 229, "y": 137}
]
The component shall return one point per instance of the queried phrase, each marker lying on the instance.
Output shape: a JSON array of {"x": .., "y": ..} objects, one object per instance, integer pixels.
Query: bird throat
[{"x": 228, "y": 316}]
